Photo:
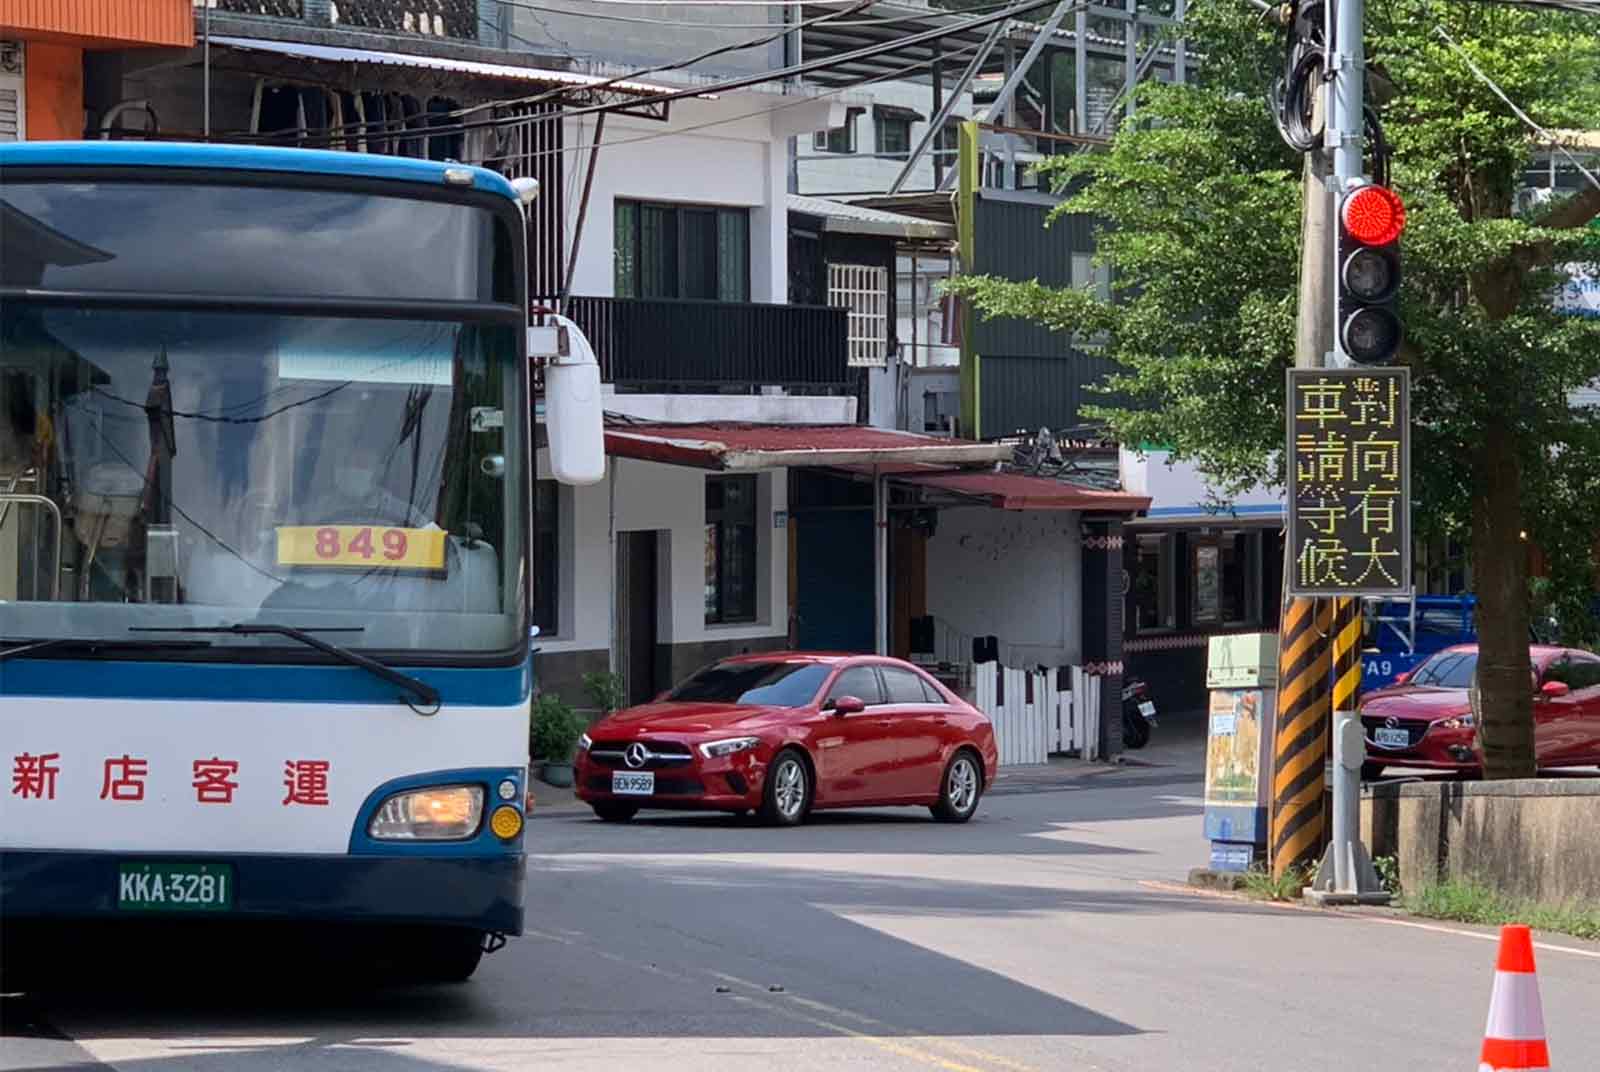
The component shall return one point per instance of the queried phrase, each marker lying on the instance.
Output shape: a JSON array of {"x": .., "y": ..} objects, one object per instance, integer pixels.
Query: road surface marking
[
  {"x": 969, "y": 1051},
  {"x": 1176, "y": 887},
  {"x": 885, "y": 1044}
]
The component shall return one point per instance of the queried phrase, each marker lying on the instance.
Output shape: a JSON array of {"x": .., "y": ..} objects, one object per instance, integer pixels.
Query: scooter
[{"x": 1138, "y": 713}]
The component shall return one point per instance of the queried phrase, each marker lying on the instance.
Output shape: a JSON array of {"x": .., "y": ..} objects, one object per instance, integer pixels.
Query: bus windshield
[{"x": 177, "y": 467}]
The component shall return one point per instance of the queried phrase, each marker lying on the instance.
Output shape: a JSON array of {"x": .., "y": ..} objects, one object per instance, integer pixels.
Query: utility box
[
  {"x": 1243, "y": 661},
  {"x": 1243, "y": 673}
]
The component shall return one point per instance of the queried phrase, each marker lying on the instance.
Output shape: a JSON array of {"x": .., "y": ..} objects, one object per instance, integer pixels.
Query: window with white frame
[
  {"x": 862, "y": 290},
  {"x": 11, "y": 92}
]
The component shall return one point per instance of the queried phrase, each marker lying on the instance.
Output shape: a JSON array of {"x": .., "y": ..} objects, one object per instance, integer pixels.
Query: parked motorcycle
[{"x": 1138, "y": 713}]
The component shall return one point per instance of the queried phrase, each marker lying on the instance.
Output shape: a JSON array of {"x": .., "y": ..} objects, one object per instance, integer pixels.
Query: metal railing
[
  {"x": 454, "y": 19},
  {"x": 661, "y": 344}
]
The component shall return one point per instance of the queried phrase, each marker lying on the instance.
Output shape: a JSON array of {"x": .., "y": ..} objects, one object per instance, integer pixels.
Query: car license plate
[
  {"x": 633, "y": 785},
  {"x": 163, "y": 887},
  {"x": 1147, "y": 709},
  {"x": 1392, "y": 738}
]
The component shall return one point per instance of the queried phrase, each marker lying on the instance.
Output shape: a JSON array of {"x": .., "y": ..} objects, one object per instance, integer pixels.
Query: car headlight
[
  {"x": 584, "y": 742},
  {"x": 444, "y": 813},
  {"x": 713, "y": 749},
  {"x": 1460, "y": 722}
]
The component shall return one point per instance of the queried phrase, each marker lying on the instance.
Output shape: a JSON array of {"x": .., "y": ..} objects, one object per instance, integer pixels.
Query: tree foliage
[{"x": 1198, "y": 210}]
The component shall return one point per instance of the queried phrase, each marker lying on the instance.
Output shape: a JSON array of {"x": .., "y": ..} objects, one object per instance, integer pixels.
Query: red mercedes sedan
[
  {"x": 783, "y": 734},
  {"x": 1425, "y": 719}
]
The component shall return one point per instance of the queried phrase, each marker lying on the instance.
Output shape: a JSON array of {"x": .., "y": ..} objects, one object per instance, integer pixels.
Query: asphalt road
[{"x": 1043, "y": 935}]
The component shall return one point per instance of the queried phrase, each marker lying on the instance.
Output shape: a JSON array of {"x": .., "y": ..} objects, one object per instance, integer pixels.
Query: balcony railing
[
  {"x": 665, "y": 345},
  {"x": 456, "y": 19}
]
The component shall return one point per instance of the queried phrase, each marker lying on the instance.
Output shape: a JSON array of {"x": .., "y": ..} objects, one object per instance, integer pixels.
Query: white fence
[{"x": 1033, "y": 718}]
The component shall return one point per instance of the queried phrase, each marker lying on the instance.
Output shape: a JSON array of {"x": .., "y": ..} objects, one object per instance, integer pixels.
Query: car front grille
[
  {"x": 1415, "y": 729},
  {"x": 662, "y": 754}
]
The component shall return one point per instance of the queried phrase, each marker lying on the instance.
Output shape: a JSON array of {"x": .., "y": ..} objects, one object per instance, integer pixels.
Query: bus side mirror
[{"x": 573, "y": 408}]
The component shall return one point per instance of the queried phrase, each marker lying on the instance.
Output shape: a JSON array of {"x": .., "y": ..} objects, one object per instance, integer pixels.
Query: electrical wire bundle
[
  {"x": 1292, "y": 97},
  {"x": 1293, "y": 94}
]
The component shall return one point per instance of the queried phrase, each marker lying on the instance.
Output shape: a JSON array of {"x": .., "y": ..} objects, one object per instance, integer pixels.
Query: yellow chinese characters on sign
[
  {"x": 1349, "y": 481},
  {"x": 361, "y": 547}
]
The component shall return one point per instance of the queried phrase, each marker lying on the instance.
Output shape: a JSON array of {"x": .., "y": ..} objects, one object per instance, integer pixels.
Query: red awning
[
  {"x": 733, "y": 446},
  {"x": 1018, "y": 491}
]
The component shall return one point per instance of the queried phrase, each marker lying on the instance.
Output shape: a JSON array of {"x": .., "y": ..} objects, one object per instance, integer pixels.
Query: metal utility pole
[
  {"x": 1300, "y": 749},
  {"x": 1346, "y": 875}
]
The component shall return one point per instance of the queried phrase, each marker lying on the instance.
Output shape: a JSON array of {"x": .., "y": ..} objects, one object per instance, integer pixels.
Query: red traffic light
[{"x": 1374, "y": 215}]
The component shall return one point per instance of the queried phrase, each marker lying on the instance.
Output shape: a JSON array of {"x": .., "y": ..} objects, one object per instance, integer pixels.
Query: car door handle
[{"x": 885, "y": 723}]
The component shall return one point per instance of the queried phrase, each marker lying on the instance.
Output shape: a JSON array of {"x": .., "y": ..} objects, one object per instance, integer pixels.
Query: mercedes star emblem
[
  {"x": 1391, "y": 722},
  {"x": 637, "y": 755}
]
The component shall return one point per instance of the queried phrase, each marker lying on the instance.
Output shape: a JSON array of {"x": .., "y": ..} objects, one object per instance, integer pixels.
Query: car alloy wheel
[
  {"x": 963, "y": 785},
  {"x": 788, "y": 792}
]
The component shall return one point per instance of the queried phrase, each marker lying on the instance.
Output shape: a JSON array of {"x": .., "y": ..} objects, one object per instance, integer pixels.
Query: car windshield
[
  {"x": 788, "y": 684},
  {"x": 1447, "y": 670}
]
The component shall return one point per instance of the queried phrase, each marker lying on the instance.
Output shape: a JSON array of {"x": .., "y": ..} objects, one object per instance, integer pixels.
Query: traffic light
[{"x": 1371, "y": 218}]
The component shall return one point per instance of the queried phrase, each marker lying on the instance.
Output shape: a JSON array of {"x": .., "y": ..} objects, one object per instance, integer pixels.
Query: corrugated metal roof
[
  {"x": 844, "y": 218},
  {"x": 738, "y": 446},
  {"x": 504, "y": 71},
  {"x": 1018, "y": 491}
]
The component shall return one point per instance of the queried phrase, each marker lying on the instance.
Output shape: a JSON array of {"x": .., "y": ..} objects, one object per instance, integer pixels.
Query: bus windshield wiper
[
  {"x": 21, "y": 647},
  {"x": 424, "y": 692}
]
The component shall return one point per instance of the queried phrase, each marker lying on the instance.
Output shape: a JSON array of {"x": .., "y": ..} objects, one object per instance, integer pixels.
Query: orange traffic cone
[{"x": 1514, "y": 1039}]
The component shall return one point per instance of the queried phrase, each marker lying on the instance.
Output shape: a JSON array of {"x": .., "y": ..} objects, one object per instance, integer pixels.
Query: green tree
[{"x": 1198, "y": 204}]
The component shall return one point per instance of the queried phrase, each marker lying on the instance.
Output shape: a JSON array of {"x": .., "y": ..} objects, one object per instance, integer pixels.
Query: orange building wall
[
  {"x": 100, "y": 23},
  {"x": 54, "y": 91}
]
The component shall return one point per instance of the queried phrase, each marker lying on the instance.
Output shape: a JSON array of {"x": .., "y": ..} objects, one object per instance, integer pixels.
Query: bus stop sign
[{"x": 1349, "y": 455}]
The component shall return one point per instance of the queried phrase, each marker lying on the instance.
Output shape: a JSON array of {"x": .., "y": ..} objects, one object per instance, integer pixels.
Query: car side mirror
[
  {"x": 1552, "y": 690},
  {"x": 847, "y": 705},
  {"x": 1403, "y": 678}
]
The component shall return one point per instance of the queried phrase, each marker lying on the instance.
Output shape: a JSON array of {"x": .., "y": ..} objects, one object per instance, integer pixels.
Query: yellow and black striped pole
[
  {"x": 1300, "y": 745},
  {"x": 1346, "y": 653}
]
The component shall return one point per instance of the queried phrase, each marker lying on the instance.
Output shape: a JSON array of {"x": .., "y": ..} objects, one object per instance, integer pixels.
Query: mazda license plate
[
  {"x": 171, "y": 887},
  {"x": 640, "y": 784},
  {"x": 1392, "y": 738}
]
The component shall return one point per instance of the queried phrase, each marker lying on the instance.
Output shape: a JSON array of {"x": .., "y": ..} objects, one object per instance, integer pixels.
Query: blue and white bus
[{"x": 266, "y": 433}]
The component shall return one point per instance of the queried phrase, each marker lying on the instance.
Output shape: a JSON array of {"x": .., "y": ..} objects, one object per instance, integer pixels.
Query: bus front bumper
[{"x": 481, "y": 892}]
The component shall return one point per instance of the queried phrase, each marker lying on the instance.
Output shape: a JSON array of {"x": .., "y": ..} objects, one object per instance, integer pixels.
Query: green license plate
[{"x": 163, "y": 887}]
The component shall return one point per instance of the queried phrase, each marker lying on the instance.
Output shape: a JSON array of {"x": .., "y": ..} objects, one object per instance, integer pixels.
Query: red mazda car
[
  {"x": 782, "y": 734},
  {"x": 1426, "y": 719}
]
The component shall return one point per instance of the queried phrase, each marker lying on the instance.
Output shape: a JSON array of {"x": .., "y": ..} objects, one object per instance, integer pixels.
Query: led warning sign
[{"x": 1349, "y": 481}]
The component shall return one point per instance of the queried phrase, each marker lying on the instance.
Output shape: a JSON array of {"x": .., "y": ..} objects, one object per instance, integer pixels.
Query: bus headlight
[{"x": 445, "y": 813}]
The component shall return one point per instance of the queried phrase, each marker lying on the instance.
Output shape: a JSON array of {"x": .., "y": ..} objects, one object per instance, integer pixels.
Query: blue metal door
[{"x": 833, "y": 575}]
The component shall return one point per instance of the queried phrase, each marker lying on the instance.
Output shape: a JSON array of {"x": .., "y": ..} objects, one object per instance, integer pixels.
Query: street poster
[
  {"x": 1349, "y": 481},
  {"x": 1233, "y": 747}
]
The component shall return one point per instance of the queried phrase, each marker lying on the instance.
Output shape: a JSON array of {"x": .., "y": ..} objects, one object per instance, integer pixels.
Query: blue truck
[{"x": 1401, "y": 633}]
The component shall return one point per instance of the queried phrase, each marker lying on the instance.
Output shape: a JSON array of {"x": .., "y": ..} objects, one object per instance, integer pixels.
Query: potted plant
[
  {"x": 554, "y": 736},
  {"x": 606, "y": 691}
]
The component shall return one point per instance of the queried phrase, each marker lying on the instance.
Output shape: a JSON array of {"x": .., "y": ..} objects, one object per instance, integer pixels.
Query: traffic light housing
[{"x": 1366, "y": 317}]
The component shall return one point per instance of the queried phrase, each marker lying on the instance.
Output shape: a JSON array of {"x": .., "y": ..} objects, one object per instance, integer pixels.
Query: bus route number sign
[
  {"x": 361, "y": 547},
  {"x": 1349, "y": 481}
]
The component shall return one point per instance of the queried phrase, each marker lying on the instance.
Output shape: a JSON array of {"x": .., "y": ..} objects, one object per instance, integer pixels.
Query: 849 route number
[{"x": 361, "y": 547}]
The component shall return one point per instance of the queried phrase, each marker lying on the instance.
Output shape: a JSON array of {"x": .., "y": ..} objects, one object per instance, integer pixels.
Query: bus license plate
[
  {"x": 164, "y": 887},
  {"x": 633, "y": 785}
]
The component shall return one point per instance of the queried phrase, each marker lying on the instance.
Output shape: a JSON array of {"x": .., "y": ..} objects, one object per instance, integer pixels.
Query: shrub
[{"x": 555, "y": 730}]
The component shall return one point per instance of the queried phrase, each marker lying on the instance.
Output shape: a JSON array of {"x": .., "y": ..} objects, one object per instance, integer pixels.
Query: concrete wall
[
  {"x": 1529, "y": 838},
  {"x": 670, "y": 500},
  {"x": 740, "y": 162},
  {"x": 1013, "y": 575}
]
